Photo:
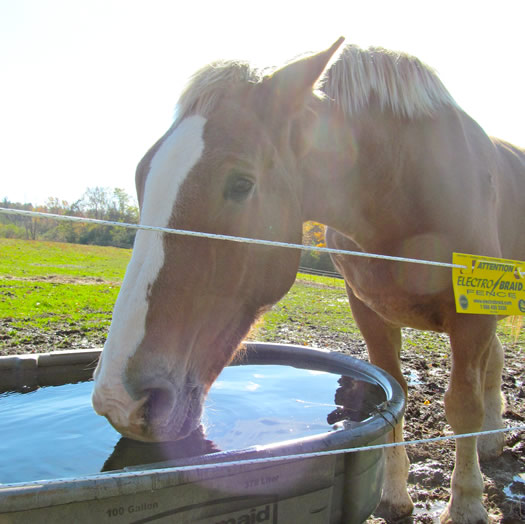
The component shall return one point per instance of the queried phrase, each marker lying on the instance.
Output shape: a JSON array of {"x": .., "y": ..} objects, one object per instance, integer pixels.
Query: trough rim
[{"x": 44, "y": 493}]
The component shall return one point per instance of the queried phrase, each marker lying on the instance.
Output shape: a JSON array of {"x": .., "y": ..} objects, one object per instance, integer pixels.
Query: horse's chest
[{"x": 401, "y": 294}]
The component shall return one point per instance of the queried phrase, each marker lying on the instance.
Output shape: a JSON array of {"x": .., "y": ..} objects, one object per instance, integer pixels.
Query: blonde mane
[
  {"x": 397, "y": 81},
  {"x": 210, "y": 83}
]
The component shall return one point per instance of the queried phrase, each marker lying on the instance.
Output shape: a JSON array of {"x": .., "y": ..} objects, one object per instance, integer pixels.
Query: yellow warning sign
[{"x": 488, "y": 286}]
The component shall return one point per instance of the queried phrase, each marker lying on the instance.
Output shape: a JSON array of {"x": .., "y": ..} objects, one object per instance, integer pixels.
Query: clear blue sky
[{"x": 88, "y": 85}]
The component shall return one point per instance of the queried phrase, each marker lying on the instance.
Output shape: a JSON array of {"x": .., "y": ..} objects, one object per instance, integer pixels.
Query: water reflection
[
  {"x": 354, "y": 401},
  {"x": 129, "y": 452}
]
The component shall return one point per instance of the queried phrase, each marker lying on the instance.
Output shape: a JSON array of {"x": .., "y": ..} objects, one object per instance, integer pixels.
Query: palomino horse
[{"x": 374, "y": 147}]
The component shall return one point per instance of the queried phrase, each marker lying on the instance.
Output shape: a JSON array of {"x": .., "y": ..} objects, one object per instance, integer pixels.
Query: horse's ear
[{"x": 289, "y": 86}]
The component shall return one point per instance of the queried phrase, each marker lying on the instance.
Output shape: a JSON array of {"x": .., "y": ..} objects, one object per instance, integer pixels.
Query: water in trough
[{"x": 53, "y": 432}]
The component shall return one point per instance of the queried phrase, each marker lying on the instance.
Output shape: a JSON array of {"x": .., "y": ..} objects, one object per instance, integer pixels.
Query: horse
[{"x": 368, "y": 142}]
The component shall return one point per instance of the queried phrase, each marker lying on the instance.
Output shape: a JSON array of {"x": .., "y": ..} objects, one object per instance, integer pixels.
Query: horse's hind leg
[
  {"x": 471, "y": 339},
  {"x": 384, "y": 345},
  {"x": 491, "y": 446}
]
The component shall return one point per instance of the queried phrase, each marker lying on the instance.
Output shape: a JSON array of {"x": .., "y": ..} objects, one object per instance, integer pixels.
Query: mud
[{"x": 427, "y": 372}]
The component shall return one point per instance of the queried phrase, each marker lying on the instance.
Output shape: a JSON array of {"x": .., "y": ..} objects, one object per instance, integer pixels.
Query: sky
[{"x": 87, "y": 86}]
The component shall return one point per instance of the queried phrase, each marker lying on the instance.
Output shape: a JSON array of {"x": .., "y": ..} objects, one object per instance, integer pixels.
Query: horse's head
[{"x": 227, "y": 165}]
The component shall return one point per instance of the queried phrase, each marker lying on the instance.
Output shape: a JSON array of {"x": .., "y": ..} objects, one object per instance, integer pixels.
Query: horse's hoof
[
  {"x": 467, "y": 513},
  {"x": 394, "y": 512}
]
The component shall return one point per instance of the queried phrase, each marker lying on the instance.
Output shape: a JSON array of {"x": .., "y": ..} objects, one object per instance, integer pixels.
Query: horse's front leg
[
  {"x": 472, "y": 342},
  {"x": 491, "y": 446},
  {"x": 384, "y": 345}
]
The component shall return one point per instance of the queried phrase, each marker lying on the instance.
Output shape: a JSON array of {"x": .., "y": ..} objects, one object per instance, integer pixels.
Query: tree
[
  {"x": 98, "y": 202},
  {"x": 313, "y": 235}
]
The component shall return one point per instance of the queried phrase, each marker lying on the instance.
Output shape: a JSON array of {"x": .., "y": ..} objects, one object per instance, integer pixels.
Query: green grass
[
  {"x": 321, "y": 281},
  {"x": 44, "y": 315},
  {"x": 44, "y": 304},
  {"x": 50, "y": 287},
  {"x": 21, "y": 258},
  {"x": 312, "y": 303}
]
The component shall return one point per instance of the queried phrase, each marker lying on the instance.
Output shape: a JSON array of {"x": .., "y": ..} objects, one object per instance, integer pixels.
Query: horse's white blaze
[{"x": 169, "y": 167}]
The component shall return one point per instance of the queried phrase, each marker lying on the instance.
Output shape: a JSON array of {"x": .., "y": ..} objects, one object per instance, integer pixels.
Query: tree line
[
  {"x": 115, "y": 204},
  {"x": 98, "y": 202}
]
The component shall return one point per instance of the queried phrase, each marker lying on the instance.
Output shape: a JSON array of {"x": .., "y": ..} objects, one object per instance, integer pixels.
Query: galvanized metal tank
[{"x": 230, "y": 487}]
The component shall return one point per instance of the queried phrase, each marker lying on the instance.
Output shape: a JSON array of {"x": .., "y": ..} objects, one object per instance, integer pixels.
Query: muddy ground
[
  {"x": 427, "y": 374},
  {"x": 431, "y": 464}
]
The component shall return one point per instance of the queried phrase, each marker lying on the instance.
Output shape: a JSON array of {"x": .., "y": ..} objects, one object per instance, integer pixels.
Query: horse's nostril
[{"x": 159, "y": 404}]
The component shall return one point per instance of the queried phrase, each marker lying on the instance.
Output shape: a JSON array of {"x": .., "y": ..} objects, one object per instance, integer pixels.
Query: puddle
[
  {"x": 515, "y": 491},
  {"x": 412, "y": 377},
  {"x": 429, "y": 510}
]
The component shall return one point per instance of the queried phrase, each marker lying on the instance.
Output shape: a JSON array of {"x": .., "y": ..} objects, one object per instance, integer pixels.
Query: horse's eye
[{"x": 239, "y": 187}]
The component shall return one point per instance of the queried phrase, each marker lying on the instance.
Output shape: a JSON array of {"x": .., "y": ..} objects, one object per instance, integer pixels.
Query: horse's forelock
[{"x": 208, "y": 86}]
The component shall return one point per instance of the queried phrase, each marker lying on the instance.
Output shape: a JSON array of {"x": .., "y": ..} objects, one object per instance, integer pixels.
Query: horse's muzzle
[{"x": 163, "y": 413}]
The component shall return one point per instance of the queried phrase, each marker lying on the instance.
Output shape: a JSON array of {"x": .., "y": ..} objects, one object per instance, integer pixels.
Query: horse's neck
[{"x": 350, "y": 178}]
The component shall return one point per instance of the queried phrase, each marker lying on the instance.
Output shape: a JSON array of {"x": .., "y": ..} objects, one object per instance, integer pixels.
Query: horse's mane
[{"x": 399, "y": 82}]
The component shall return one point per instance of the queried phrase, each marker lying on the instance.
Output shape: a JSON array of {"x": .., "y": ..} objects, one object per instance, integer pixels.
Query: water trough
[{"x": 322, "y": 489}]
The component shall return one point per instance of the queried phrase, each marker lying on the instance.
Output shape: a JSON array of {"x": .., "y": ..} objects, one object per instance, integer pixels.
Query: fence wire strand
[
  {"x": 230, "y": 238},
  {"x": 183, "y": 232}
]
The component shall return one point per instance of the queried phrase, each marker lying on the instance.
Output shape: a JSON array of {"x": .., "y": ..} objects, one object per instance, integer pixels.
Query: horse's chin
[
  {"x": 179, "y": 424},
  {"x": 169, "y": 433}
]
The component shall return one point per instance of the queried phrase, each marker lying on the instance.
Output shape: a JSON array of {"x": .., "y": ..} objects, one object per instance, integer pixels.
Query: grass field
[
  {"x": 56, "y": 295},
  {"x": 50, "y": 288},
  {"x": 25, "y": 259}
]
